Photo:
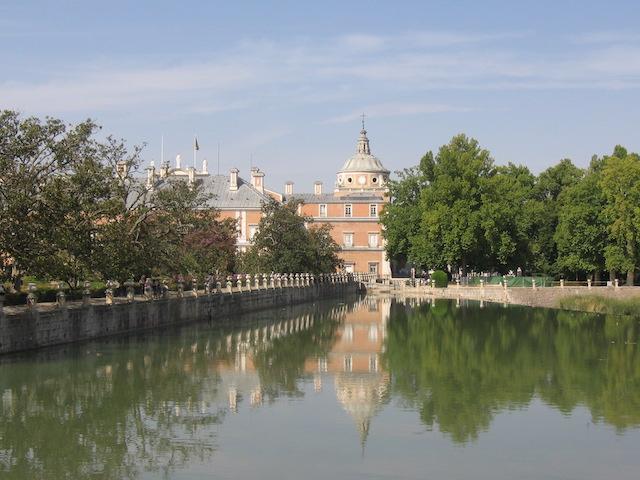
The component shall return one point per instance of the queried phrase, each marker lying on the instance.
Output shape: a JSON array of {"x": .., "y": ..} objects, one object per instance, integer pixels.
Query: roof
[
  {"x": 363, "y": 160},
  {"x": 222, "y": 198}
]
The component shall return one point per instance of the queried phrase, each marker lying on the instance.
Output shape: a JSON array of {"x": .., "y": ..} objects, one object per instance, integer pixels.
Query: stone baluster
[
  {"x": 129, "y": 284},
  {"x": 247, "y": 278},
  {"x": 32, "y": 297},
  {"x": 297, "y": 279},
  {"x": 218, "y": 287},
  {"x": 180, "y": 286},
  {"x": 194, "y": 285},
  {"x": 229, "y": 285},
  {"x": 239, "y": 282},
  {"x": 61, "y": 298},
  {"x": 272, "y": 281},
  {"x": 278, "y": 280},
  {"x": 306, "y": 279}
]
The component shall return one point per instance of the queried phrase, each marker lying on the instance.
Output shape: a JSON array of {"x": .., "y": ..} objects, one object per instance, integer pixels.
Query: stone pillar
[
  {"x": 2, "y": 294},
  {"x": 247, "y": 278},
  {"x": 108, "y": 293},
  {"x": 194, "y": 286},
  {"x": 61, "y": 298},
  {"x": 32, "y": 298},
  {"x": 129, "y": 284},
  {"x": 457, "y": 283},
  {"x": 229, "y": 285},
  {"x": 481, "y": 284},
  {"x": 589, "y": 283},
  {"x": 533, "y": 283},
  {"x": 562, "y": 283},
  {"x": 616, "y": 283},
  {"x": 148, "y": 288},
  {"x": 218, "y": 287}
]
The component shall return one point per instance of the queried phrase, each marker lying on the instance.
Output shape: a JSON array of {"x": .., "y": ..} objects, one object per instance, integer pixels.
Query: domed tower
[{"x": 362, "y": 171}]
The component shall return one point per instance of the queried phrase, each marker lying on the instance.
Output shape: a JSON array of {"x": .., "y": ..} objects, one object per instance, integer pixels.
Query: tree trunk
[
  {"x": 631, "y": 273},
  {"x": 612, "y": 275},
  {"x": 597, "y": 276}
]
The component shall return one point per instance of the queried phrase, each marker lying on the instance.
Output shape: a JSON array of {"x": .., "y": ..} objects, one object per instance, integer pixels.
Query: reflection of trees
[
  {"x": 460, "y": 367},
  {"x": 139, "y": 407}
]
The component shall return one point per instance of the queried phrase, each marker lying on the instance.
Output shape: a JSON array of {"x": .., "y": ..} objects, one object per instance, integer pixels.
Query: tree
[
  {"x": 621, "y": 187},
  {"x": 450, "y": 231},
  {"x": 401, "y": 217},
  {"x": 543, "y": 212},
  {"x": 283, "y": 243},
  {"x": 581, "y": 234}
]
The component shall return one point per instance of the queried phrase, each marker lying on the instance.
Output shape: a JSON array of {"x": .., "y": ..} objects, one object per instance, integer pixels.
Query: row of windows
[
  {"x": 347, "y": 364},
  {"x": 348, "y": 209},
  {"x": 347, "y": 239}
]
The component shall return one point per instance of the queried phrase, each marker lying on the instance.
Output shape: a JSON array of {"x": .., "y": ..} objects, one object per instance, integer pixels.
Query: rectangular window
[
  {"x": 347, "y": 363},
  {"x": 373, "y": 363},
  {"x": 347, "y": 210},
  {"x": 253, "y": 229},
  {"x": 323, "y": 210},
  {"x": 373, "y": 268},
  {"x": 322, "y": 364},
  {"x": 347, "y": 239},
  {"x": 373, "y": 239},
  {"x": 373, "y": 210}
]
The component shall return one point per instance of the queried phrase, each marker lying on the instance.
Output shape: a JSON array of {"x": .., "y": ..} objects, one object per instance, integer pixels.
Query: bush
[{"x": 441, "y": 278}]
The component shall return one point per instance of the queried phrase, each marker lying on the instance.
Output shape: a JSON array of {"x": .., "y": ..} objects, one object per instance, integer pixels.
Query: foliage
[
  {"x": 72, "y": 207},
  {"x": 600, "y": 304},
  {"x": 441, "y": 278},
  {"x": 284, "y": 244}
]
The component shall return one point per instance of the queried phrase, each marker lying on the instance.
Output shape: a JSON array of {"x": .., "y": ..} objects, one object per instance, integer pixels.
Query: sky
[{"x": 281, "y": 85}]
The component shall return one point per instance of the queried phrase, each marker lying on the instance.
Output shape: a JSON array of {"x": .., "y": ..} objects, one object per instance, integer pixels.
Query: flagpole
[
  {"x": 195, "y": 141},
  {"x": 162, "y": 150},
  {"x": 218, "y": 158}
]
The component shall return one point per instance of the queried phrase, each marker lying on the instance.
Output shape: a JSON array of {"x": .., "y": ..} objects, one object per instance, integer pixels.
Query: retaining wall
[
  {"x": 548, "y": 297},
  {"x": 47, "y": 325}
]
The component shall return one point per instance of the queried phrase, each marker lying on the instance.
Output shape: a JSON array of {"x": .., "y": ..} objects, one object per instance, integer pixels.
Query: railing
[{"x": 155, "y": 290}]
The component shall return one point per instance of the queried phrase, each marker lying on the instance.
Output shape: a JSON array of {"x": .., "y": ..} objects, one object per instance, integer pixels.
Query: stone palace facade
[{"x": 352, "y": 209}]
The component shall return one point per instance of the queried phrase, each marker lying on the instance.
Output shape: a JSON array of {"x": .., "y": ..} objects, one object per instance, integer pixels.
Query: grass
[{"x": 598, "y": 304}]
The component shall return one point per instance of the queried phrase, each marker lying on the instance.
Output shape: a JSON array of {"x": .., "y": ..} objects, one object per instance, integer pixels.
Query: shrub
[{"x": 441, "y": 278}]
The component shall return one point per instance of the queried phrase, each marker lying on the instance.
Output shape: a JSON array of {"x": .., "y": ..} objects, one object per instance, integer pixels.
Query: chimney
[
  {"x": 151, "y": 174},
  {"x": 233, "y": 179},
  {"x": 317, "y": 187},
  {"x": 288, "y": 188},
  {"x": 257, "y": 179}
]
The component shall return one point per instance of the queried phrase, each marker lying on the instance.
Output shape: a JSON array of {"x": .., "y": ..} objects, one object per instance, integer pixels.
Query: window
[
  {"x": 373, "y": 333},
  {"x": 347, "y": 210},
  {"x": 349, "y": 268},
  {"x": 373, "y": 363},
  {"x": 347, "y": 363},
  {"x": 322, "y": 364},
  {"x": 347, "y": 239},
  {"x": 253, "y": 229},
  {"x": 348, "y": 333},
  {"x": 373, "y": 239},
  {"x": 373, "y": 210},
  {"x": 323, "y": 210},
  {"x": 373, "y": 268}
]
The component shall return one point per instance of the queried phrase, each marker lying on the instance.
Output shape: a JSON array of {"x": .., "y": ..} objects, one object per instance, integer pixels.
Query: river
[{"x": 373, "y": 387}]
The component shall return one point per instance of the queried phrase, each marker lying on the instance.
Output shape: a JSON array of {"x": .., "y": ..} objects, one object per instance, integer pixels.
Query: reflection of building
[{"x": 360, "y": 382}]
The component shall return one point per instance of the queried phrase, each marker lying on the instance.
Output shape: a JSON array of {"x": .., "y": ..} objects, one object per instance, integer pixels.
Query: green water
[{"x": 371, "y": 388}]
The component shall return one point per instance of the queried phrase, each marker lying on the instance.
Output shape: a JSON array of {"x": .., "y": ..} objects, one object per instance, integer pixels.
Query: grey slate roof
[{"x": 217, "y": 186}]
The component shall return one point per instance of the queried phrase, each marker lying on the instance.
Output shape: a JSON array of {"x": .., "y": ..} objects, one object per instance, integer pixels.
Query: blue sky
[{"x": 283, "y": 83}]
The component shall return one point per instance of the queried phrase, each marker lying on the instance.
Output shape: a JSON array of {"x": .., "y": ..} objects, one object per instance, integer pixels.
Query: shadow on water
[
  {"x": 152, "y": 404},
  {"x": 459, "y": 367}
]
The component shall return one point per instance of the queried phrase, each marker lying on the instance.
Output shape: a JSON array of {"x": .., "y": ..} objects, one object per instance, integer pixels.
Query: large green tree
[
  {"x": 581, "y": 233},
  {"x": 621, "y": 187},
  {"x": 284, "y": 244}
]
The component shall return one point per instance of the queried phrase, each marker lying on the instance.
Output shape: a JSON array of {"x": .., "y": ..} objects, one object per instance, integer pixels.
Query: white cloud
[{"x": 278, "y": 74}]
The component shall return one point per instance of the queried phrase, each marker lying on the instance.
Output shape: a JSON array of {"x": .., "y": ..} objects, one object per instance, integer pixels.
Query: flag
[{"x": 196, "y": 146}]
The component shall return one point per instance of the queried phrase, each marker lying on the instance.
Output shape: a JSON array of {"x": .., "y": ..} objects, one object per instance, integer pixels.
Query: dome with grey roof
[{"x": 363, "y": 160}]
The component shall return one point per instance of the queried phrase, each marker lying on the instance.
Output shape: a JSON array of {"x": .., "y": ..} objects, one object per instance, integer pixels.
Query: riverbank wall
[
  {"x": 547, "y": 297},
  {"x": 44, "y": 325}
]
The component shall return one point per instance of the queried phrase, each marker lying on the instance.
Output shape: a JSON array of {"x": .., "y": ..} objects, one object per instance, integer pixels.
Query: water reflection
[
  {"x": 154, "y": 404},
  {"x": 459, "y": 367}
]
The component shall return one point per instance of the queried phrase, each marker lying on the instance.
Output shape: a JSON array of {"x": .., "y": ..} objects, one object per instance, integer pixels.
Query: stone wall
[
  {"x": 547, "y": 297},
  {"x": 47, "y": 325}
]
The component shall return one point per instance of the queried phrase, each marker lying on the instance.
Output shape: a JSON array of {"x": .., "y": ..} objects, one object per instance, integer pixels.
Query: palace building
[{"x": 352, "y": 209}]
